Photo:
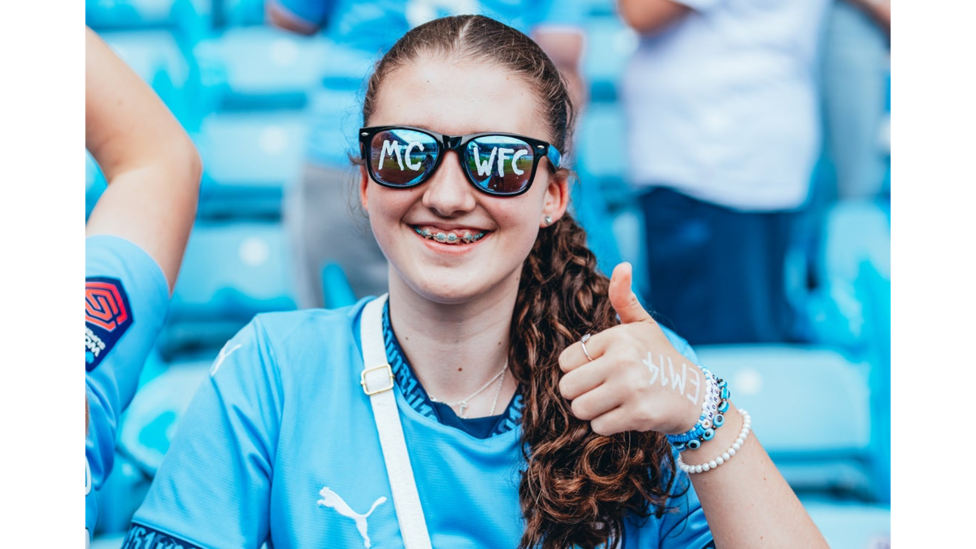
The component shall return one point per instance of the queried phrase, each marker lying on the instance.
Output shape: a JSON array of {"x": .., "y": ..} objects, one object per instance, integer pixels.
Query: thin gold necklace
[{"x": 464, "y": 401}]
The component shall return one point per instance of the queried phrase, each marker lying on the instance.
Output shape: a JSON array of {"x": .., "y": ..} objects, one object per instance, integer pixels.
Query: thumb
[{"x": 623, "y": 299}]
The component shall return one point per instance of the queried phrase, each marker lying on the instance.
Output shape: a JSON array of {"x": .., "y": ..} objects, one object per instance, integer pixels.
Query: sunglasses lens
[
  {"x": 499, "y": 164},
  {"x": 402, "y": 157}
]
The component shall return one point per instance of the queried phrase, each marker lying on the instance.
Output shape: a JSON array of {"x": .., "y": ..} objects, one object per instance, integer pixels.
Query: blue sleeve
[
  {"x": 684, "y": 525},
  {"x": 213, "y": 487},
  {"x": 314, "y": 12},
  {"x": 126, "y": 299}
]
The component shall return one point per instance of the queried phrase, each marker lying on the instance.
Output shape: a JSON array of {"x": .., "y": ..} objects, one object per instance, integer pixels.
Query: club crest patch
[{"x": 107, "y": 317}]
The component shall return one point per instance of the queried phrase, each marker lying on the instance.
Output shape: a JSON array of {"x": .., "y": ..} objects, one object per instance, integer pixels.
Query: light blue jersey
[
  {"x": 359, "y": 33},
  {"x": 280, "y": 446},
  {"x": 126, "y": 296}
]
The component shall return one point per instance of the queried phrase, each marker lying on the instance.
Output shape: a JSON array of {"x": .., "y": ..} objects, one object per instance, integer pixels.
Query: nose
[{"x": 448, "y": 192}]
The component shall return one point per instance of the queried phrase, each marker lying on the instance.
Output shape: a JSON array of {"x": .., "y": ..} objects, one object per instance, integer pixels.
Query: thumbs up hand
[{"x": 636, "y": 380}]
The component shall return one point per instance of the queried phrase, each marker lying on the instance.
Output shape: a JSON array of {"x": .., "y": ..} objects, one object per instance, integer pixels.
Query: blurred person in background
[
  {"x": 722, "y": 107},
  {"x": 319, "y": 211},
  {"x": 134, "y": 243},
  {"x": 549, "y": 425},
  {"x": 855, "y": 67}
]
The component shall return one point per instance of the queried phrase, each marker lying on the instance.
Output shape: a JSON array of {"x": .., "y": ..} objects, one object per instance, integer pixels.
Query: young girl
[{"x": 530, "y": 415}]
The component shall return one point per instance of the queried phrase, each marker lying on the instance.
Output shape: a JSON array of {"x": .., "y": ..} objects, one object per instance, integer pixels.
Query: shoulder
[
  {"x": 294, "y": 343},
  {"x": 329, "y": 324}
]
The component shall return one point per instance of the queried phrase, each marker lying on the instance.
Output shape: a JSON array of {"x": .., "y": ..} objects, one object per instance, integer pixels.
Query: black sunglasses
[{"x": 499, "y": 164}]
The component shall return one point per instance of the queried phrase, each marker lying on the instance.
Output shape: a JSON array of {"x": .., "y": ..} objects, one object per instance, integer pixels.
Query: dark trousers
[{"x": 716, "y": 275}]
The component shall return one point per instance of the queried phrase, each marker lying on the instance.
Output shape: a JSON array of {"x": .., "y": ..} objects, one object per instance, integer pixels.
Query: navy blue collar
[{"x": 417, "y": 398}]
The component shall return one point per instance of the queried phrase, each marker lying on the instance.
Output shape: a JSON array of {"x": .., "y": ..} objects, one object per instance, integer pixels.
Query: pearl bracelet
[{"x": 726, "y": 455}]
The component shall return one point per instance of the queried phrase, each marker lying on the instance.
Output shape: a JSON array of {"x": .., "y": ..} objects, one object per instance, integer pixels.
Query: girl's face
[{"x": 458, "y": 98}]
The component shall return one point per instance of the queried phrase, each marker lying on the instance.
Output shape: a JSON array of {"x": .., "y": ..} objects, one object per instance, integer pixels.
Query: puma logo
[{"x": 332, "y": 499}]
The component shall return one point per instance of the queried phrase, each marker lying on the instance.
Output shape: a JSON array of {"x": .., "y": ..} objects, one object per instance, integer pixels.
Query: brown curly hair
[{"x": 577, "y": 487}]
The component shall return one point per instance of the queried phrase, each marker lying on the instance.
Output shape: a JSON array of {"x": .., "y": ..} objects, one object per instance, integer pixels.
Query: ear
[
  {"x": 557, "y": 197},
  {"x": 363, "y": 185}
]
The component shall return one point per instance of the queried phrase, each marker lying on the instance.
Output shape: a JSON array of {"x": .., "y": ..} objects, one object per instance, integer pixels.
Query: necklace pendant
[{"x": 464, "y": 406}]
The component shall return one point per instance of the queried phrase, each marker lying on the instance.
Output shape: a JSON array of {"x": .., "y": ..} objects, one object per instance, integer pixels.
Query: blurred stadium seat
[
  {"x": 851, "y": 525},
  {"x": 259, "y": 68},
  {"x": 128, "y": 14},
  {"x": 248, "y": 159},
  {"x": 854, "y": 232},
  {"x": 824, "y": 447},
  {"x": 335, "y": 287},
  {"x": 603, "y": 201},
  {"x": 239, "y": 13},
  {"x": 95, "y": 183},
  {"x": 146, "y": 430},
  {"x": 231, "y": 271},
  {"x": 609, "y": 45},
  {"x": 601, "y": 148}
]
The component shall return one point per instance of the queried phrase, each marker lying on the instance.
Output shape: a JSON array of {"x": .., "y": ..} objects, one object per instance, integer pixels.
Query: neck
[{"x": 454, "y": 348}]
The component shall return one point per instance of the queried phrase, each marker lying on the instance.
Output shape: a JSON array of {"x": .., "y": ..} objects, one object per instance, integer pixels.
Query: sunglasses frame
[{"x": 457, "y": 143}]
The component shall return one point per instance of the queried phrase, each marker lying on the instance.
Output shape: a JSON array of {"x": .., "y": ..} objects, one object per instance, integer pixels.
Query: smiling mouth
[{"x": 450, "y": 237}]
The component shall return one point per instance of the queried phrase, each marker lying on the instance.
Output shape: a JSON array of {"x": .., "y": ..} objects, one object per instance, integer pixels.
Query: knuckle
[
  {"x": 566, "y": 388},
  {"x": 600, "y": 427},
  {"x": 579, "y": 409},
  {"x": 564, "y": 360}
]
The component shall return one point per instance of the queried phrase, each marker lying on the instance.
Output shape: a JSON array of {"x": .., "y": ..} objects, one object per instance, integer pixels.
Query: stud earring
[{"x": 548, "y": 220}]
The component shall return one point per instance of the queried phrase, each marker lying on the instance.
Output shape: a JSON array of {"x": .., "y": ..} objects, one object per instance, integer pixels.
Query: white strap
[{"x": 377, "y": 382}]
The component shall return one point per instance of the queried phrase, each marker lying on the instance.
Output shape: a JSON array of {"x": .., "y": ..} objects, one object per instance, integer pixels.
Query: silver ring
[{"x": 583, "y": 344}]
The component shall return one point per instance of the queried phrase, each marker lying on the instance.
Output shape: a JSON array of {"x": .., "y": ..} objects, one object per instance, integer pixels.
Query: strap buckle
[{"x": 376, "y": 378}]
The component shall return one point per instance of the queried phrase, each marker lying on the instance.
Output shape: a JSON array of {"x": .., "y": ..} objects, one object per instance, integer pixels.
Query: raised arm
[
  {"x": 650, "y": 16},
  {"x": 746, "y": 501},
  {"x": 151, "y": 166}
]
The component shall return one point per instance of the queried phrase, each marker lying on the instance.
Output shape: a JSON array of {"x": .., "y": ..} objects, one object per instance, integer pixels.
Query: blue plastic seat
[
  {"x": 231, "y": 271},
  {"x": 95, "y": 183},
  {"x": 851, "y": 525},
  {"x": 603, "y": 201},
  {"x": 259, "y": 68},
  {"x": 335, "y": 287},
  {"x": 601, "y": 145},
  {"x": 128, "y": 14},
  {"x": 249, "y": 158},
  {"x": 855, "y": 232},
  {"x": 609, "y": 46},
  {"x": 237, "y": 13},
  {"x": 812, "y": 410}
]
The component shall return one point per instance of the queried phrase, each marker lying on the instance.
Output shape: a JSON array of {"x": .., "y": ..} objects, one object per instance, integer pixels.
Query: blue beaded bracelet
[{"x": 714, "y": 406}]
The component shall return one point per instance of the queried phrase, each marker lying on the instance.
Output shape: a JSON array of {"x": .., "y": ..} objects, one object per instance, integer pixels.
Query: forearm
[
  {"x": 650, "y": 16},
  {"x": 746, "y": 500}
]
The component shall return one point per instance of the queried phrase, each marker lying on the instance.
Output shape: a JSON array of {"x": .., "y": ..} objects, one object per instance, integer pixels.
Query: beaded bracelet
[
  {"x": 726, "y": 455},
  {"x": 714, "y": 406}
]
